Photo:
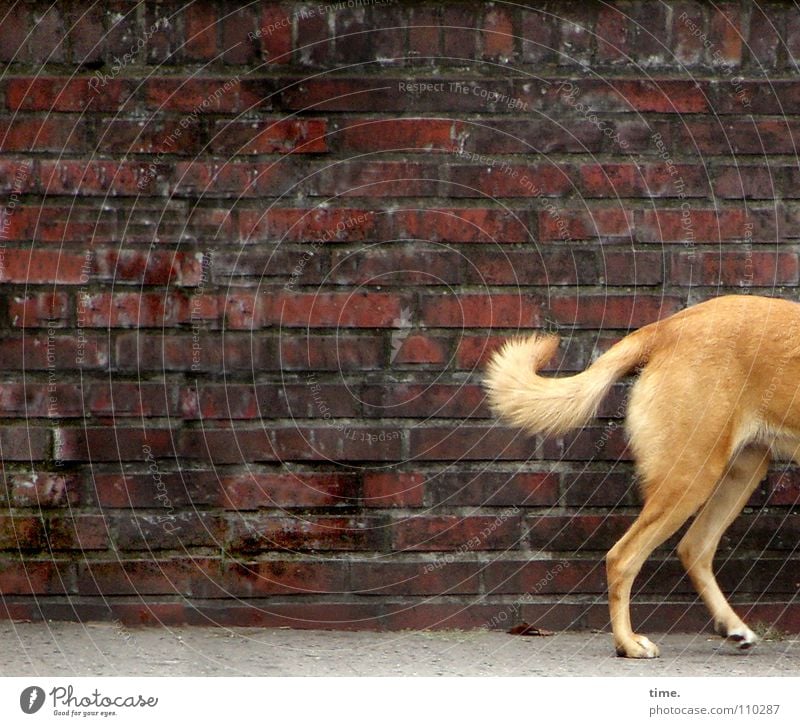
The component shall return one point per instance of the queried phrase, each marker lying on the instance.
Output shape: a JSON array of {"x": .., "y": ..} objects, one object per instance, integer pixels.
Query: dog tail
[{"x": 520, "y": 396}]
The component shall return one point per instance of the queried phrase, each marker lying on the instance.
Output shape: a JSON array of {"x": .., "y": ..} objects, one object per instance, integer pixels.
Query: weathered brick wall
[{"x": 253, "y": 260}]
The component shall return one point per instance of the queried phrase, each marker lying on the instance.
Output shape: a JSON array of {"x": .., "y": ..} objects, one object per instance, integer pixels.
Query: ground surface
[{"x": 105, "y": 649}]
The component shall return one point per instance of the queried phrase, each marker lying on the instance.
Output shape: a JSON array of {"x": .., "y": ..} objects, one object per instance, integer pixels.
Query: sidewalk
[{"x": 107, "y": 649}]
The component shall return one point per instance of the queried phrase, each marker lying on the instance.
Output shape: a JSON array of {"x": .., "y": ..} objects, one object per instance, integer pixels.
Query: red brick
[
  {"x": 154, "y": 136},
  {"x": 301, "y": 225},
  {"x": 393, "y": 489},
  {"x": 148, "y": 532},
  {"x": 71, "y": 353},
  {"x": 342, "y": 352},
  {"x": 86, "y": 34},
  {"x": 465, "y": 534},
  {"x": 612, "y": 28},
  {"x": 21, "y": 533},
  {"x": 340, "y": 442},
  {"x": 576, "y": 21},
  {"x": 601, "y": 223},
  {"x": 329, "y": 309},
  {"x": 584, "y": 533},
  {"x": 459, "y": 33},
  {"x": 778, "y": 136},
  {"x": 25, "y": 443},
  {"x": 239, "y": 45},
  {"x": 256, "y": 491},
  {"x": 628, "y": 180},
  {"x": 473, "y": 225},
  {"x": 547, "y": 180},
  {"x": 78, "y": 532},
  {"x": 498, "y": 35},
  {"x": 168, "y": 576},
  {"x": 617, "y": 311},
  {"x": 200, "y": 29},
  {"x": 484, "y": 311},
  {"x": 39, "y": 310},
  {"x": 748, "y": 182},
  {"x": 226, "y": 446},
  {"x": 394, "y": 265},
  {"x": 603, "y": 443},
  {"x": 539, "y": 35},
  {"x": 61, "y": 224},
  {"x": 417, "y": 350},
  {"x": 275, "y": 34},
  {"x": 14, "y": 35},
  {"x": 475, "y": 351},
  {"x": 119, "y": 443},
  {"x": 134, "y": 310},
  {"x": 283, "y": 577},
  {"x": 44, "y": 489},
  {"x": 420, "y": 400},
  {"x": 47, "y": 134},
  {"x": 126, "y": 398},
  {"x": 153, "y": 267},
  {"x": 362, "y": 94},
  {"x": 725, "y": 34},
  {"x": 139, "y": 351},
  {"x": 304, "y": 533},
  {"x": 233, "y": 179},
  {"x": 545, "y": 577},
  {"x": 241, "y": 311},
  {"x": 187, "y": 95},
  {"x": 415, "y": 578},
  {"x": 189, "y": 487},
  {"x": 471, "y": 443},
  {"x": 284, "y": 136},
  {"x": 364, "y": 35},
  {"x": 36, "y": 577},
  {"x": 406, "y": 134},
  {"x": 424, "y": 34},
  {"x": 735, "y": 268},
  {"x": 784, "y": 488},
  {"x": 46, "y": 93},
  {"x": 546, "y": 136},
  {"x": 687, "y": 44},
  {"x": 707, "y": 225},
  {"x": 494, "y": 489},
  {"x": 96, "y": 178},
  {"x": 367, "y": 178},
  {"x": 314, "y": 45},
  {"x": 42, "y": 266},
  {"x": 599, "y": 489}
]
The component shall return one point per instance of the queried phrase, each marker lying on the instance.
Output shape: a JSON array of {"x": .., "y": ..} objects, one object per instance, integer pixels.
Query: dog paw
[
  {"x": 741, "y": 636},
  {"x": 638, "y": 647}
]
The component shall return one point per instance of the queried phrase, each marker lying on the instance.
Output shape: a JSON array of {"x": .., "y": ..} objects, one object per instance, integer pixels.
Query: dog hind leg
[
  {"x": 696, "y": 549},
  {"x": 669, "y": 502}
]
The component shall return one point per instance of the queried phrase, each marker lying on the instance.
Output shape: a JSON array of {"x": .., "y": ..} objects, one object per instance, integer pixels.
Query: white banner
[{"x": 353, "y": 701}]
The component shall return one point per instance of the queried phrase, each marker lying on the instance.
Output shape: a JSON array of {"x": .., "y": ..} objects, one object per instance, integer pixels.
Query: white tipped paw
[
  {"x": 742, "y": 637},
  {"x": 638, "y": 647}
]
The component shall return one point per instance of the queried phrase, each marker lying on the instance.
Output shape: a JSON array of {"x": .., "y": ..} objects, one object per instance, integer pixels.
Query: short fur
[{"x": 718, "y": 397}]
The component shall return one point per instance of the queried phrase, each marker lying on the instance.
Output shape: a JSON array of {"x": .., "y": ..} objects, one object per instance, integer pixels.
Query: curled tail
[{"x": 556, "y": 405}]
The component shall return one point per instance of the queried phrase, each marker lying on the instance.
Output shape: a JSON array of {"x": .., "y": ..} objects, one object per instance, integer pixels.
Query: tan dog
[{"x": 718, "y": 397}]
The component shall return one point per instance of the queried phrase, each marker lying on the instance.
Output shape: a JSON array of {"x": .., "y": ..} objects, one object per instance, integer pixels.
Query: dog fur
[{"x": 717, "y": 398}]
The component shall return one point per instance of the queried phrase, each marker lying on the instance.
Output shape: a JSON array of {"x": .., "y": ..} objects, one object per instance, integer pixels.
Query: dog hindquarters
[{"x": 681, "y": 445}]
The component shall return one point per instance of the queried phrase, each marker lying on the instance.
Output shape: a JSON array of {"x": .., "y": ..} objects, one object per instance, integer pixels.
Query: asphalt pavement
[{"x": 113, "y": 649}]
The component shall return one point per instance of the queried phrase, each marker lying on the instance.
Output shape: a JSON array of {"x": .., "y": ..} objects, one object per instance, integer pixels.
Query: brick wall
[{"x": 253, "y": 260}]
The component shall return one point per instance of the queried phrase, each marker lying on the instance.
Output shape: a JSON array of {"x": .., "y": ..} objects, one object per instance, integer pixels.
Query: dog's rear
[{"x": 717, "y": 398}]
